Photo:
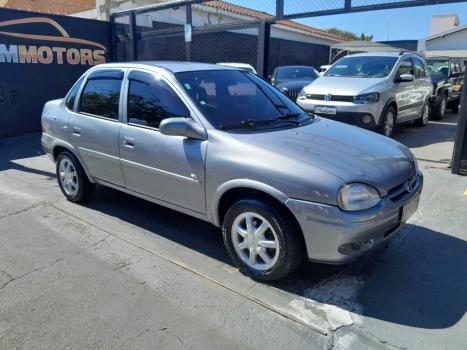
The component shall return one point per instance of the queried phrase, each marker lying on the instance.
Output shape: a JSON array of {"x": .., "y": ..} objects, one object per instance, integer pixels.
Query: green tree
[{"x": 349, "y": 35}]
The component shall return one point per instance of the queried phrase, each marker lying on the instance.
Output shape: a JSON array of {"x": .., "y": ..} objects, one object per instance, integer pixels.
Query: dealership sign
[
  {"x": 64, "y": 50},
  {"x": 41, "y": 56}
]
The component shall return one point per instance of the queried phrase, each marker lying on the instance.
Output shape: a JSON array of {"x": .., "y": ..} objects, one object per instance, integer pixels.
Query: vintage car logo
[
  {"x": 328, "y": 97},
  {"x": 93, "y": 53}
]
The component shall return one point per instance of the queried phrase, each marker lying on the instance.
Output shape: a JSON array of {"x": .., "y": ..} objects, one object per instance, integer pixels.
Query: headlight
[
  {"x": 367, "y": 98},
  {"x": 357, "y": 196},
  {"x": 302, "y": 94}
]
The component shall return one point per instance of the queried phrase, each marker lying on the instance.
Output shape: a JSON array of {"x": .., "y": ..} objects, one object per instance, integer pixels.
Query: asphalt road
[{"x": 123, "y": 273}]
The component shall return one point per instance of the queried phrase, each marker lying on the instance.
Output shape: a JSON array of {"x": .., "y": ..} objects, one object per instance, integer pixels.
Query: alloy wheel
[
  {"x": 443, "y": 106},
  {"x": 426, "y": 114},
  {"x": 389, "y": 123},
  {"x": 255, "y": 241},
  {"x": 68, "y": 177}
]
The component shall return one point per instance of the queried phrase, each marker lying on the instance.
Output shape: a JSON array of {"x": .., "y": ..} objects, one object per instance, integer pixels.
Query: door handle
[
  {"x": 129, "y": 142},
  {"x": 76, "y": 131}
]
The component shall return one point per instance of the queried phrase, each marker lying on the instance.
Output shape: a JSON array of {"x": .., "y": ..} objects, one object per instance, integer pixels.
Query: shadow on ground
[
  {"x": 14, "y": 149},
  {"x": 436, "y": 131},
  {"x": 418, "y": 279}
]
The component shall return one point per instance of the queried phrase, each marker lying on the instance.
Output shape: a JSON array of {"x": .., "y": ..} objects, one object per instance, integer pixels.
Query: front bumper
[
  {"x": 334, "y": 236},
  {"x": 347, "y": 112}
]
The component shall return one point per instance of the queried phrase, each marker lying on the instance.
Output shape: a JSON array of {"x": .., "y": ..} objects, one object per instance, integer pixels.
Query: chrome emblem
[
  {"x": 328, "y": 97},
  {"x": 409, "y": 187}
]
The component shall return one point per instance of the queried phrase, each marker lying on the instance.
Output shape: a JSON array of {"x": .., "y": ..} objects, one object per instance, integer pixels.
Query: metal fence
[{"x": 168, "y": 33}]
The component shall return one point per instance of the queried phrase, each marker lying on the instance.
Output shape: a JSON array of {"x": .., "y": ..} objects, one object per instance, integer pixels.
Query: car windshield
[
  {"x": 296, "y": 73},
  {"x": 234, "y": 99},
  {"x": 438, "y": 68},
  {"x": 362, "y": 67}
]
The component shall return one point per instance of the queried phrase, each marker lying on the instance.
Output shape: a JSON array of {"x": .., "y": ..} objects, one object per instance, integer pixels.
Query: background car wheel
[
  {"x": 265, "y": 243},
  {"x": 423, "y": 120},
  {"x": 72, "y": 180},
  {"x": 388, "y": 123},
  {"x": 440, "y": 109},
  {"x": 454, "y": 105}
]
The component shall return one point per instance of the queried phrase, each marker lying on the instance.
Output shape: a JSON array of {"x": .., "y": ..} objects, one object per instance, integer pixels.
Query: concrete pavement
[{"x": 120, "y": 272}]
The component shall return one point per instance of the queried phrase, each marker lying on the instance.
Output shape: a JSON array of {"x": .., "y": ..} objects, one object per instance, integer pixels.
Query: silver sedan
[{"x": 224, "y": 146}]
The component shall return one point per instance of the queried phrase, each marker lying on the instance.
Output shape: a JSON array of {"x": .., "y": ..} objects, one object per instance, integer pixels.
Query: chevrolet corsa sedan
[{"x": 222, "y": 145}]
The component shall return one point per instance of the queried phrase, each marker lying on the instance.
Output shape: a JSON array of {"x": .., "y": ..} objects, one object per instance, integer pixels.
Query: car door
[
  {"x": 169, "y": 168},
  {"x": 405, "y": 91},
  {"x": 423, "y": 85},
  {"x": 95, "y": 127}
]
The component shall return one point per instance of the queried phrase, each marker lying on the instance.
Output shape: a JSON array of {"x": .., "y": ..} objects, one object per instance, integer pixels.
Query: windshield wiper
[
  {"x": 292, "y": 117},
  {"x": 244, "y": 124}
]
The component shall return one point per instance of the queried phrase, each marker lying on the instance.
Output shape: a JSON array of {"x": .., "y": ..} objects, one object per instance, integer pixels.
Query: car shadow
[
  {"x": 17, "y": 148},
  {"x": 437, "y": 131},
  {"x": 418, "y": 279}
]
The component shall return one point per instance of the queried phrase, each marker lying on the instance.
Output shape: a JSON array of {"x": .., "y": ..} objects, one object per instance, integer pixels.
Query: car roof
[
  {"x": 174, "y": 67},
  {"x": 384, "y": 53}
]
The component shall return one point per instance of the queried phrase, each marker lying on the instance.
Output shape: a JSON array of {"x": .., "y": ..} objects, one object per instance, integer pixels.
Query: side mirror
[
  {"x": 182, "y": 127},
  {"x": 405, "y": 77}
]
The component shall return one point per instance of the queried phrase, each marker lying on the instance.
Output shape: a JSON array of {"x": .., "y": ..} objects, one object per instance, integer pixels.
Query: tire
[
  {"x": 440, "y": 109},
  {"x": 72, "y": 179},
  {"x": 387, "y": 126},
  {"x": 423, "y": 120},
  {"x": 454, "y": 105},
  {"x": 281, "y": 229}
]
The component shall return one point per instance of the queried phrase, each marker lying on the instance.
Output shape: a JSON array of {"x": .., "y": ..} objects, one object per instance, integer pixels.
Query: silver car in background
[
  {"x": 224, "y": 146},
  {"x": 372, "y": 90}
]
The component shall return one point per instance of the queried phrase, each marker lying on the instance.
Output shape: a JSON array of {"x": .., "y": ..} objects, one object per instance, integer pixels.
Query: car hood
[
  {"x": 341, "y": 85},
  {"x": 293, "y": 84},
  {"x": 345, "y": 151}
]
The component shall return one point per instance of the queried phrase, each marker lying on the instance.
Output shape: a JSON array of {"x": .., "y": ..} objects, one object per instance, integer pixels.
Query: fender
[
  {"x": 386, "y": 105},
  {"x": 60, "y": 143},
  {"x": 241, "y": 183}
]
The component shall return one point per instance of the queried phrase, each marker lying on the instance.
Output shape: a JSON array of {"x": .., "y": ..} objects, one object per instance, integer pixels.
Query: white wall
[
  {"x": 442, "y": 23},
  {"x": 454, "y": 41}
]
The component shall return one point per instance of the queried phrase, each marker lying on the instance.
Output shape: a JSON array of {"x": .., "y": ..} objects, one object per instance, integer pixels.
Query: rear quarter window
[{"x": 71, "y": 98}]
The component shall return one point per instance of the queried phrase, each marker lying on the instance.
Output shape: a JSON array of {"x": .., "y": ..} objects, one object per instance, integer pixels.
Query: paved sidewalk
[{"x": 120, "y": 272}]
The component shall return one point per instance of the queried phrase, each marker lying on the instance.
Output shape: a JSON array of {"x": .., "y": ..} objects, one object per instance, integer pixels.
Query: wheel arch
[
  {"x": 391, "y": 102},
  {"x": 233, "y": 190},
  {"x": 61, "y": 146}
]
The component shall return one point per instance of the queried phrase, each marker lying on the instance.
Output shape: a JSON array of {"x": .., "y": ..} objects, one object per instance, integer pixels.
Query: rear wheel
[
  {"x": 264, "y": 243},
  {"x": 388, "y": 122},
  {"x": 72, "y": 180},
  {"x": 440, "y": 109},
  {"x": 423, "y": 120},
  {"x": 454, "y": 105}
]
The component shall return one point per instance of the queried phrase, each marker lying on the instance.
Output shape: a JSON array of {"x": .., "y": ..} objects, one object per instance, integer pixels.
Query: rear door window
[
  {"x": 101, "y": 97},
  {"x": 419, "y": 68}
]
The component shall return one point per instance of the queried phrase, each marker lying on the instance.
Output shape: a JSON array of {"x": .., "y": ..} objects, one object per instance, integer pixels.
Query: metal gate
[{"x": 167, "y": 33}]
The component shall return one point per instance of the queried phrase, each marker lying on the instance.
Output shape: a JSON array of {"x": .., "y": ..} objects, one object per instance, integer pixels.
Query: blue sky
[{"x": 397, "y": 24}]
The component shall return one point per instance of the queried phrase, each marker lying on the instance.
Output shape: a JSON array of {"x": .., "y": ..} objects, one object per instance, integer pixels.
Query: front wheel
[
  {"x": 264, "y": 243},
  {"x": 388, "y": 122},
  {"x": 423, "y": 120}
]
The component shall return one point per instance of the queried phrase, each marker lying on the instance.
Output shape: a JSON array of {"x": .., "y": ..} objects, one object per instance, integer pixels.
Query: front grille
[
  {"x": 293, "y": 94},
  {"x": 338, "y": 98},
  {"x": 400, "y": 191}
]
